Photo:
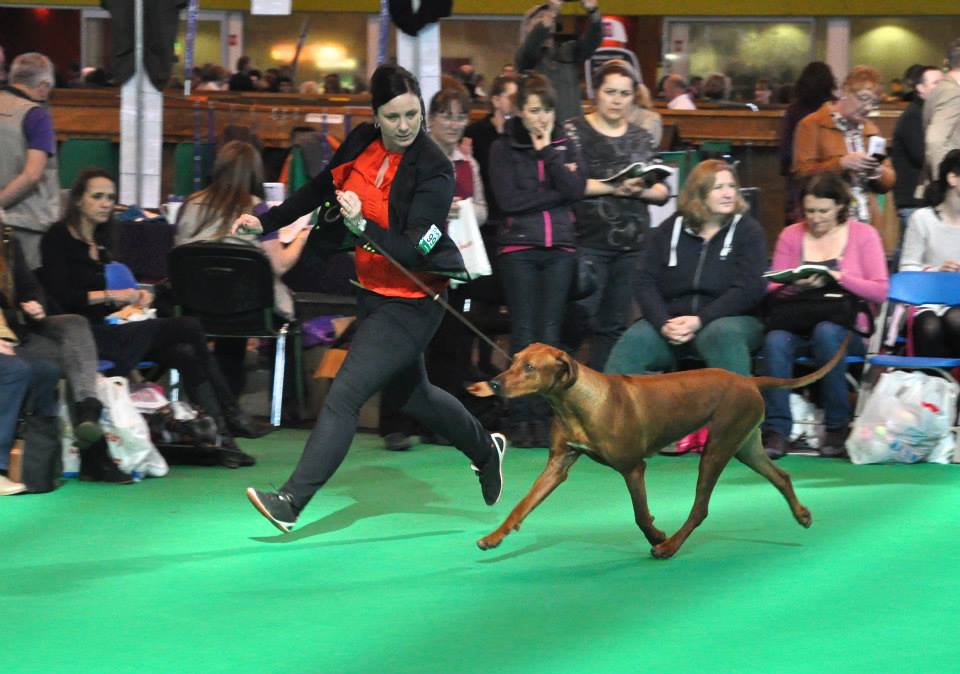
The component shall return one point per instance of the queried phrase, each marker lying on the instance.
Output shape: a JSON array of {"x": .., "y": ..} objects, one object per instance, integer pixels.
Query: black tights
[{"x": 937, "y": 336}]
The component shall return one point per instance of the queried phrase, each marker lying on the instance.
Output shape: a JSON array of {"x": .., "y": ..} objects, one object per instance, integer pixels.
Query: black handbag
[
  {"x": 799, "y": 311},
  {"x": 42, "y": 463}
]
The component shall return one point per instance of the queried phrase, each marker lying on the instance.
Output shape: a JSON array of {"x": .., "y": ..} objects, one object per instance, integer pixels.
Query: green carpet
[{"x": 180, "y": 574}]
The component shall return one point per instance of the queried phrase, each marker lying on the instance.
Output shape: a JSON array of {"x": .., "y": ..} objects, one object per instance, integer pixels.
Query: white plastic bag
[
  {"x": 128, "y": 436},
  {"x": 807, "y": 428},
  {"x": 68, "y": 444},
  {"x": 465, "y": 232},
  {"x": 907, "y": 419}
]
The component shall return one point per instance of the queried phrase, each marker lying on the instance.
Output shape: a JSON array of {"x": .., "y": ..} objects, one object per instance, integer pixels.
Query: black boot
[
  {"x": 243, "y": 425},
  {"x": 239, "y": 423},
  {"x": 87, "y": 429},
  {"x": 96, "y": 465}
]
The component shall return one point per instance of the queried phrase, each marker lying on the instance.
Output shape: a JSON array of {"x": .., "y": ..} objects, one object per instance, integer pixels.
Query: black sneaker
[
  {"x": 275, "y": 506},
  {"x": 774, "y": 444},
  {"x": 397, "y": 442},
  {"x": 491, "y": 475}
]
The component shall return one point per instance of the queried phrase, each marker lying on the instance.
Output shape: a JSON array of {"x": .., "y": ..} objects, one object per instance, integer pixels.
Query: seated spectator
[
  {"x": 835, "y": 138},
  {"x": 762, "y": 92},
  {"x": 237, "y": 188},
  {"x": 211, "y": 78},
  {"x": 830, "y": 236},
  {"x": 309, "y": 88},
  {"x": 332, "y": 85},
  {"x": 643, "y": 115},
  {"x": 241, "y": 80},
  {"x": 65, "y": 340},
  {"x": 700, "y": 282},
  {"x": 675, "y": 92},
  {"x": 21, "y": 377},
  {"x": 536, "y": 183},
  {"x": 75, "y": 253},
  {"x": 932, "y": 243},
  {"x": 716, "y": 88},
  {"x": 612, "y": 218}
]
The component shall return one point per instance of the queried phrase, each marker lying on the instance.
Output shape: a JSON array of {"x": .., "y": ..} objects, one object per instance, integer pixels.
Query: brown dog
[{"x": 620, "y": 420}]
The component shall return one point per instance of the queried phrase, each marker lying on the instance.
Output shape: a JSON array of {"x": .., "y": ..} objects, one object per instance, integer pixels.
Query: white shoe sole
[{"x": 285, "y": 527}]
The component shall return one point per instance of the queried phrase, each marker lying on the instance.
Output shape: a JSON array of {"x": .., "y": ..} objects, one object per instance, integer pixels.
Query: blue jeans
[
  {"x": 726, "y": 343},
  {"x": 537, "y": 285},
  {"x": 19, "y": 376},
  {"x": 605, "y": 315},
  {"x": 781, "y": 350}
]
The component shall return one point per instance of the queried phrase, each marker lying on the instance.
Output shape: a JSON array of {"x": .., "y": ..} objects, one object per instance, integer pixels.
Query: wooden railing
[{"x": 85, "y": 113}]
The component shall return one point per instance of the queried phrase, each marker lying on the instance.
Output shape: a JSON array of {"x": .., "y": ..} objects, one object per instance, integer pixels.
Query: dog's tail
[{"x": 779, "y": 382}]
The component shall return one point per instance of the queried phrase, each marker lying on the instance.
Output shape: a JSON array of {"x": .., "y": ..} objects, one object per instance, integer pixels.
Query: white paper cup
[{"x": 274, "y": 192}]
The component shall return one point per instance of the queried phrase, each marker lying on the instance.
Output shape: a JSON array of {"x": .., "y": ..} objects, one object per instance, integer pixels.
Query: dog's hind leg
[
  {"x": 556, "y": 472},
  {"x": 641, "y": 511},
  {"x": 751, "y": 454},
  {"x": 720, "y": 447}
]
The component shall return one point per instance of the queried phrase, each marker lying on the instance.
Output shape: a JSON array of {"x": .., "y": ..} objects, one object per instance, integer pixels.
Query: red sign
[{"x": 233, "y": 39}]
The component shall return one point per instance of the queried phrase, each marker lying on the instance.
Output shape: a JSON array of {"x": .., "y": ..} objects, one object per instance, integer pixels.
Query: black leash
[{"x": 439, "y": 300}]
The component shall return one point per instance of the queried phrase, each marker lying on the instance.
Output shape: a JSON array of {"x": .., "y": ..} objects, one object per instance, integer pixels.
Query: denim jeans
[
  {"x": 537, "y": 285},
  {"x": 19, "y": 378},
  {"x": 603, "y": 317},
  {"x": 726, "y": 343},
  {"x": 779, "y": 354}
]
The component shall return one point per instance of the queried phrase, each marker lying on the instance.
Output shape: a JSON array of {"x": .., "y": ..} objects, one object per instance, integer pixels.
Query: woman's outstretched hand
[{"x": 247, "y": 224}]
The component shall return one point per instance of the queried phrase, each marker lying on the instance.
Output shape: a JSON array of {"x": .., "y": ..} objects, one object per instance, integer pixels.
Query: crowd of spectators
[{"x": 537, "y": 171}]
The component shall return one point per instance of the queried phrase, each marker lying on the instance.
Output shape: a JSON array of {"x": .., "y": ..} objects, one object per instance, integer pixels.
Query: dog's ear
[{"x": 567, "y": 371}]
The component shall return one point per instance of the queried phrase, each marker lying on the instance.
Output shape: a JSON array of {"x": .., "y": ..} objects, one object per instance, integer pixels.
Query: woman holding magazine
[
  {"x": 612, "y": 219},
  {"x": 852, "y": 255}
]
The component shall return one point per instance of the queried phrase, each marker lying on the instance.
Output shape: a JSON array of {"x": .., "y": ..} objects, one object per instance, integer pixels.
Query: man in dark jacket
[
  {"x": 908, "y": 149},
  {"x": 545, "y": 50}
]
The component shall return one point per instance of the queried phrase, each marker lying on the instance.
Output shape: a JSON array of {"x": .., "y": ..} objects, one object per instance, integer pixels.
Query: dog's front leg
[
  {"x": 638, "y": 494},
  {"x": 556, "y": 472}
]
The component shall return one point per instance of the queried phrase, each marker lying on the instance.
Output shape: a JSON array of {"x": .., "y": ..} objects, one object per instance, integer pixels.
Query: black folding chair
[{"x": 229, "y": 289}]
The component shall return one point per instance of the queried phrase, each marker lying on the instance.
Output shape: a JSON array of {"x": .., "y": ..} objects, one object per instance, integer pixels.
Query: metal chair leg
[{"x": 279, "y": 364}]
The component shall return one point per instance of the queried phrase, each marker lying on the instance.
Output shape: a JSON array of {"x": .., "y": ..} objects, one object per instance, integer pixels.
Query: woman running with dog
[{"x": 392, "y": 187}]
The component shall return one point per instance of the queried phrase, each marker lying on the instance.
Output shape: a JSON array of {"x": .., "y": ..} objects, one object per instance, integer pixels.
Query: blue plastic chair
[{"x": 911, "y": 288}]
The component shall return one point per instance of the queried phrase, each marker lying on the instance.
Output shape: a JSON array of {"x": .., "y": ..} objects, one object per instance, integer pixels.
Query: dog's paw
[
  {"x": 655, "y": 536},
  {"x": 489, "y": 542},
  {"x": 480, "y": 389},
  {"x": 804, "y": 517},
  {"x": 662, "y": 551}
]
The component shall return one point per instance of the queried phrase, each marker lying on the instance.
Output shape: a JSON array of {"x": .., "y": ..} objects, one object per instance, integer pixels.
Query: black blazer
[{"x": 420, "y": 198}]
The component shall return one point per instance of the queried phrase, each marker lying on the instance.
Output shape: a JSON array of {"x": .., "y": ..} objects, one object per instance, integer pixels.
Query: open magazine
[
  {"x": 651, "y": 173},
  {"x": 802, "y": 271}
]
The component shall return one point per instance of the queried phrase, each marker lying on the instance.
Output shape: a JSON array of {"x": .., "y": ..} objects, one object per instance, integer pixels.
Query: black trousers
[{"x": 386, "y": 354}]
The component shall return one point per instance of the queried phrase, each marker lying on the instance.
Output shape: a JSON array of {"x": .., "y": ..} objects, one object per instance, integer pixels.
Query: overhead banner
[{"x": 271, "y": 6}]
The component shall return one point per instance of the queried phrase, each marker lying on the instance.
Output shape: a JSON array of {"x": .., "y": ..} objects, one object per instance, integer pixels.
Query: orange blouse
[{"x": 374, "y": 271}]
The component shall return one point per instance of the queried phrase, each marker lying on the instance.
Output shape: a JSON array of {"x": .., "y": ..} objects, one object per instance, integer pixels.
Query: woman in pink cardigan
[{"x": 853, "y": 252}]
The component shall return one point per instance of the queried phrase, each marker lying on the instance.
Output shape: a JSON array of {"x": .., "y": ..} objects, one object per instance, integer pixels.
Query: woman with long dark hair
[
  {"x": 392, "y": 188},
  {"x": 75, "y": 253},
  {"x": 932, "y": 243},
  {"x": 814, "y": 87},
  {"x": 208, "y": 215}
]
